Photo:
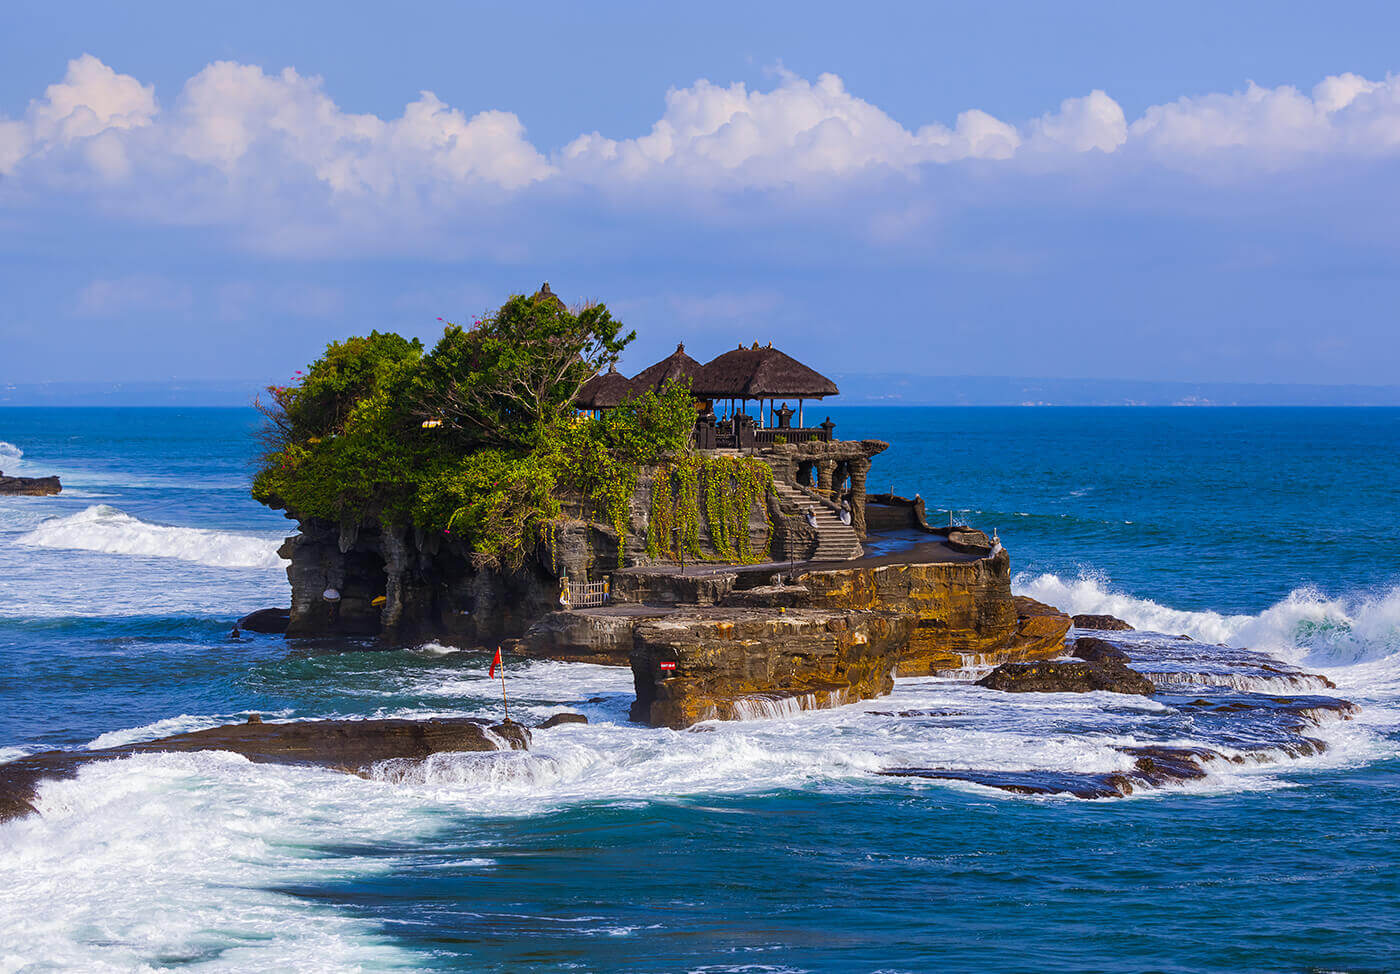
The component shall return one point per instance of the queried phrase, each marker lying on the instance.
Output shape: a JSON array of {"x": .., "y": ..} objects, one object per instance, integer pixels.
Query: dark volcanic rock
[
  {"x": 342, "y": 745},
  {"x": 564, "y": 718},
  {"x": 29, "y": 486},
  {"x": 1103, "y": 623},
  {"x": 1098, "y": 651},
  {"x": 1077, "y": 676},
  {"x": 266, "y": 620}
]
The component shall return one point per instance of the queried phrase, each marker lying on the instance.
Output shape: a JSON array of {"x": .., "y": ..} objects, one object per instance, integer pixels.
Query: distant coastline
[{"x": 857, "y": 389}]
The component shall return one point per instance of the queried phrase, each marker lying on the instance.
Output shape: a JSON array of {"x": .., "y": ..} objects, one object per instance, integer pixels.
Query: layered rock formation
[
  {"x": 729, "y": 664},
  {"x": 342, "y": 745},
  {"x": 732, "y": 644}
]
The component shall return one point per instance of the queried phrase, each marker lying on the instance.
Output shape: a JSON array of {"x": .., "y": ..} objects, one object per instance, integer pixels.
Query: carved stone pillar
[
  {"x": 825, "y": 469},
  {"x": 859, "y": 468}
]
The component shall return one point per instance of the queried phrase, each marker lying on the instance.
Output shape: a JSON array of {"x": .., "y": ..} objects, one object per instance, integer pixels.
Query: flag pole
[{"x": 504, "y": 704}]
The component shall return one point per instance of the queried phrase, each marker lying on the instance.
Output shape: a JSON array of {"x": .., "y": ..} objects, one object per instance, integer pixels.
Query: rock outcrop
[
  {"x": 728, "y": 664},
  {"x": 1103, "y": 623},
  {"x": 964, "y": 611},
  {"x": 29, "y": 486},
  {"x": 270, "y": 621},
  {"x": 557, "y": 720},
  {"x": 1098, "y": 651},
  {"x": 342, "y": 745},
  {"x": 1067, "y": 676}
]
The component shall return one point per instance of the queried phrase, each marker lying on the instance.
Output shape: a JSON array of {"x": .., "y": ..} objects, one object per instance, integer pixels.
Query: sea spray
[
  {"x": 103, "y": 528},
  {"x": 1307, "y": 626}
]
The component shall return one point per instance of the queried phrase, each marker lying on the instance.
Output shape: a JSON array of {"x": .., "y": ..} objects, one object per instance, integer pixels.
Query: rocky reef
[
  {"x": 343, "y": 745},
  {"x": 29, "y": 486},
  {"x": 740, "y": 643}
]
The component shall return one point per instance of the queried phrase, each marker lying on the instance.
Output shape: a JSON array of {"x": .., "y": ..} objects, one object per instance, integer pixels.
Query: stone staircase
[{"x": 835, "y": 541}]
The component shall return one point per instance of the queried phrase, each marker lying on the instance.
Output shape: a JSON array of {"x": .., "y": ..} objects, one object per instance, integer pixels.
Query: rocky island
[
  {"x": 511, "y": 487},
  {"x": 29, "y": 486}
]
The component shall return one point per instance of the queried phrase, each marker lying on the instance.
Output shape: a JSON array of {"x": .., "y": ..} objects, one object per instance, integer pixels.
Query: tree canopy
[{"x": 478, "y": 439}]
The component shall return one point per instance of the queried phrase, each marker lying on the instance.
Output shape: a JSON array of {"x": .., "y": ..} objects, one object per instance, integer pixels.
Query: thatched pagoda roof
[
  {"x": 677, "y": 365},
  {"x": 545, "y": 294},
  {"x": 604, "y": 391},
  {"x": 760, "y": 373}
]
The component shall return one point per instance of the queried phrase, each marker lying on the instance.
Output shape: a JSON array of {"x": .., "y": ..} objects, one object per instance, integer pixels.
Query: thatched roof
[
  {"x": 604, "y": 391},
  {"x": 545, "y": 294},
  {"x": 760, "y": 373},
  {"x": 677, "y": 365}
]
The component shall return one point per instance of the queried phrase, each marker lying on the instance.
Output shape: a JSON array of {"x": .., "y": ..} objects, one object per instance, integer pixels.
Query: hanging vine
[{"x": 731, "y": 487}]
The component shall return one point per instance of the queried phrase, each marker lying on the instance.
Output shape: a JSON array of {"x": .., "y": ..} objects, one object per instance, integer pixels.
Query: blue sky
[{"x": 1199, "y": 192}]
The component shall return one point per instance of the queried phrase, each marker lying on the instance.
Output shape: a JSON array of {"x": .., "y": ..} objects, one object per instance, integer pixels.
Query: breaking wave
[
  {"x": 1307, "y": 626},
  {"x": 11, "y": 457},
  {"x": 113, "y": 531}
]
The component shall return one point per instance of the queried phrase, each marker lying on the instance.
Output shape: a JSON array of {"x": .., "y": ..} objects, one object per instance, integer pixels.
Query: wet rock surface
[
  {"x": 29, "y": 486},
  {"x": 1234, "y": 704},
  {"x": 727, "y": 663},
  {"x": 1103, "y": 623},
  {"x": 272, "y": 621},
  {"x": 1098, "y": 651},
  {"x": 1067, "y": 676},
  {"x": 557, "y": 720},
  {"x": 342, "y": 745}
]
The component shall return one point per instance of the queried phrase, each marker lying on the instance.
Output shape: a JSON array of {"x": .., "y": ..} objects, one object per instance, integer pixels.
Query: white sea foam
[
  {"x": 1307, "y": 626},
  {"x": 178, "y": 855},
  {"x": 153, "y": 860},
  {"x": 11, "y": 457},
  {"x": 183, "y": 724},
  {"x": 107, "y": 529}
]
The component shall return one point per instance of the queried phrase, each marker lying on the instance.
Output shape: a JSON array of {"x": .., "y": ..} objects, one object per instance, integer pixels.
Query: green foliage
[
  {"x": 732, "y": 487},
  {"x": 511, "y": 377},
  {"x": 502, "y": 447}
]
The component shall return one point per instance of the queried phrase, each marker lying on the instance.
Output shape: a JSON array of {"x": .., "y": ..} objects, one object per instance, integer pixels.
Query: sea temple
[{"x": 744, "y": 569}]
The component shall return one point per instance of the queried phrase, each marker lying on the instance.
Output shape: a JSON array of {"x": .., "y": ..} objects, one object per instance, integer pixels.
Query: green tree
[{"x": 517, "y": 372}]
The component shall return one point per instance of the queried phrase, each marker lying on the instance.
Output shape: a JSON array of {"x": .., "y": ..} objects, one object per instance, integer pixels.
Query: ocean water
[{"x": 765, "y": 845}]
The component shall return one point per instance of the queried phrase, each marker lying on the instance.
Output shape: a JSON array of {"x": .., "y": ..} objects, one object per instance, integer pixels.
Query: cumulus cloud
[
  {"x": 799, "y": 129},
  {"x": 1095, "y": 121},
  {"x": 241, "y": 146}
]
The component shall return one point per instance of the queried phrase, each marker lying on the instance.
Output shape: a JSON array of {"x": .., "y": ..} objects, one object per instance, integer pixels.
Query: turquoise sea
[{"x": 766, "y": 846}]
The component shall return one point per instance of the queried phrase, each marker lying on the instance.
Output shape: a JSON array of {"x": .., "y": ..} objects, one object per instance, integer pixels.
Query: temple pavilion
[{"x": 724, "y": 389}]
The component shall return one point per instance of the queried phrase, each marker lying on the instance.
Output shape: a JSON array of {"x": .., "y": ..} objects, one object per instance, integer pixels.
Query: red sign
[{"x": 668, "y": 665}]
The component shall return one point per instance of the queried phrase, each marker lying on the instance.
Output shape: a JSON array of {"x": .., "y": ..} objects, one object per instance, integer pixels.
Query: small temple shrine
[{"x": 753, "y": 400}]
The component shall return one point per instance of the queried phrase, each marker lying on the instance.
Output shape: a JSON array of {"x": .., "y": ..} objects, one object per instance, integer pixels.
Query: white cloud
[
  {"x": 1095, "y": 121},
  {"x": 799, "y": 130},
  {"x": 273, "y": 157}
]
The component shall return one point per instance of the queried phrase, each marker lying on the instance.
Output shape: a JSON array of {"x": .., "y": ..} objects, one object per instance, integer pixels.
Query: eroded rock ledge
[
  {"x": 752, "y": 642},
  {"x": 342, "y": 745}
]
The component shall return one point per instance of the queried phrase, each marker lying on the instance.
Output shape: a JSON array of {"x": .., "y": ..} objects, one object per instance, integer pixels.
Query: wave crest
[
  {"x": 1307, "y": 625},
  {"x": 113, "y": 531},
  {"x": 11, "y": 456}
]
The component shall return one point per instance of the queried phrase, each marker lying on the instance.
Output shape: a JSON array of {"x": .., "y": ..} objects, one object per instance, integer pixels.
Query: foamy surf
[
  {"x": 107, "y": 529},
  {"x": 1308, "y": 626},
  {"x": 11, "y": 457}
]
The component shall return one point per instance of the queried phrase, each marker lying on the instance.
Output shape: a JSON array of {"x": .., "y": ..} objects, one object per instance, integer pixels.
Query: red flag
[{"x": 495, "y": 663}]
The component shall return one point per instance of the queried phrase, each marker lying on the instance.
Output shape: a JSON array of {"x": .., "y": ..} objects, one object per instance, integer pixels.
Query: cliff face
[
  {"x": 961, "y": 608},
  {"x": 401, "y": 584},
  {"x": 730, "y": 664}
]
